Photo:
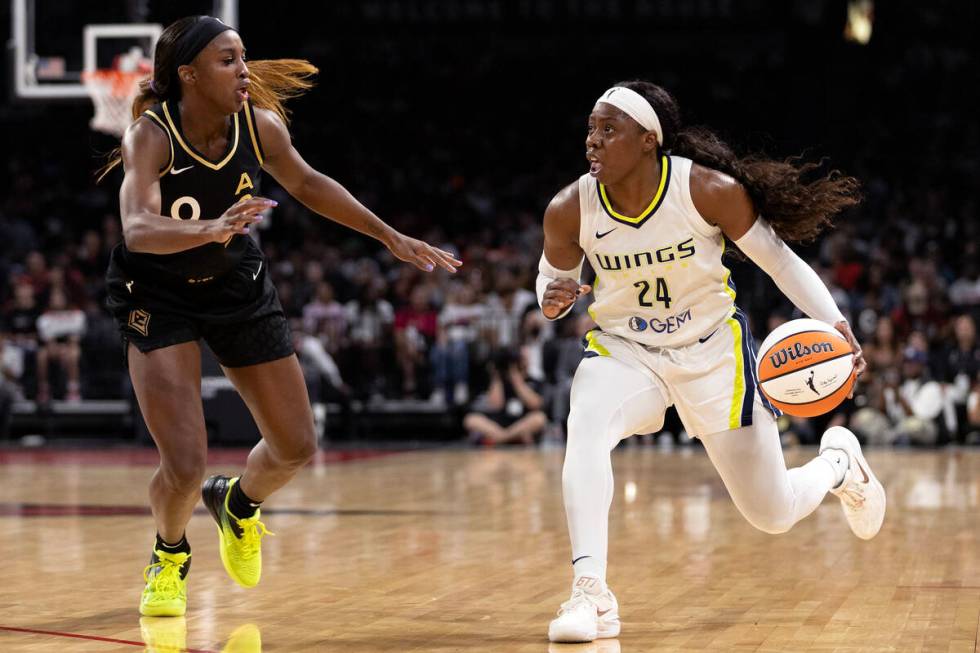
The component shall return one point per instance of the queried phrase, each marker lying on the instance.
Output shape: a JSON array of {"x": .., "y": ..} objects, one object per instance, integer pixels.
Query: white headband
[{"x": 636, "y": 107}]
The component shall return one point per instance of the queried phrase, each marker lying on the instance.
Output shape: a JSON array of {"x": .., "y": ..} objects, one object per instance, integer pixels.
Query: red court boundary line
[{"x": 94, "y": 638}]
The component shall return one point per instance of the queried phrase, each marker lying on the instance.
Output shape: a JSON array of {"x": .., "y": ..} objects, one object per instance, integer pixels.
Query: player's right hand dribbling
[
  {"x": 561, "y": 294},
  {"x": 238, "y": 217}
]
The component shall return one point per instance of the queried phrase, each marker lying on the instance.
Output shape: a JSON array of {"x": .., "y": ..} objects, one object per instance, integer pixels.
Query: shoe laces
[
  {"x": 852, "y": 496},
  {"x": 165, "y": 580},
  {"x": 851, "y": 493},
  {"x": 252, "y": 533},
  {"x": 578, "y": 599}
]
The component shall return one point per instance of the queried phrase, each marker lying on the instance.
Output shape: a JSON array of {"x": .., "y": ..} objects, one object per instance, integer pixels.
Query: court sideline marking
[{"x": 94, "y": 638}]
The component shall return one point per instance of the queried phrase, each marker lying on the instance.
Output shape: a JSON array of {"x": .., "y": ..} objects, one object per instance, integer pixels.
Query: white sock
[
  {"x": 588, "y": 489},
  {"x": 838, "y": 461},
  {"x": 589, "y": 566}
]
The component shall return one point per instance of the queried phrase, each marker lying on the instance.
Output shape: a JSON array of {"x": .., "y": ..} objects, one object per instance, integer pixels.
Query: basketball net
[{"x": 113, "y": 91}]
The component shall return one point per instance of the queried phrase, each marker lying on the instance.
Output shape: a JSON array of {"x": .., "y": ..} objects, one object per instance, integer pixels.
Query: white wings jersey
[{"x": 660, "y": 280}]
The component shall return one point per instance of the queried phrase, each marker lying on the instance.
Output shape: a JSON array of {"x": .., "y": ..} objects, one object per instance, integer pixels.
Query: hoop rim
[{"x": 120, "y": 82}]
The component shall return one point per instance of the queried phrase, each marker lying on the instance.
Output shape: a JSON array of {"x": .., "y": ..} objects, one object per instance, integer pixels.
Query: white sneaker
[
  {"x": 591, "y": 613},
  {"x": 861, "y": 494}
]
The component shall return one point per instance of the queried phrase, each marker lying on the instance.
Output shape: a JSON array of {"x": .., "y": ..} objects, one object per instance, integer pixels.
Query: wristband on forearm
[{"x": 548, "y": 273}]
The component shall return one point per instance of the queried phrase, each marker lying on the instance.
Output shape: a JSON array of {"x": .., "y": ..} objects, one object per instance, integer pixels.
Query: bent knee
[
  {"x": 772, "y": 523},
  {"x": 299, "y": 450},
  {"x": 185, "y": 471}
]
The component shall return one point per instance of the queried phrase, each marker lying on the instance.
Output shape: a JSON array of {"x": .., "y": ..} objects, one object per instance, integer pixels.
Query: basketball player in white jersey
[{"x": 652, "y": 216}]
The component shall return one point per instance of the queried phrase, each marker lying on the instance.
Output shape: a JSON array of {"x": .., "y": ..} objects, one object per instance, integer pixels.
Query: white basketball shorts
[{"x": 711, "y": 382}]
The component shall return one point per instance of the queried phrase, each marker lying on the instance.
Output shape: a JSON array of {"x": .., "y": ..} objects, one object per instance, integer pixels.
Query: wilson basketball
[{"x": 805, "y": 368}]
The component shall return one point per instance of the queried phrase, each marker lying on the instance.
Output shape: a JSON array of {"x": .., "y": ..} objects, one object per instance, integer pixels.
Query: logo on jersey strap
[
  {"x": 175, "y": 171},
  {"x": 139, "y": 321},
  {"x": 638, "y": 323},
  {"x": 604, "y": 234}
]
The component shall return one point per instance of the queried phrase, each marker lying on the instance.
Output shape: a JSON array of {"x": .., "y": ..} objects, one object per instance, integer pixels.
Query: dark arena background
[{"x": 456, "y": 122}]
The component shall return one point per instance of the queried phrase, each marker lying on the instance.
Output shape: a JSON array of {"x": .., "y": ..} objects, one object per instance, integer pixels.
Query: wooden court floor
[{"x": 462, "y": 550}]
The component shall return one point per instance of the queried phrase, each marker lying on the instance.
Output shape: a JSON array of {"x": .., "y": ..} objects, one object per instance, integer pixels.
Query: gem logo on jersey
[
  {"x": 680, "y": 251},
  {"x": 638, "y": 323},
  {"x": 670, "y": 324}
]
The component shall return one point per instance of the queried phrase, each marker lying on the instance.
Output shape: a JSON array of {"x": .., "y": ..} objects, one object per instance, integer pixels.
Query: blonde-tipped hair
[{"x": 272, "y": 83}]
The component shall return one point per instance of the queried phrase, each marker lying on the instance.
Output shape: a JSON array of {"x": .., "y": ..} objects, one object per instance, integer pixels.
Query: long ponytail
[
  {"x": 272, "y": 82},
  {"x": 797, "y": 206}
]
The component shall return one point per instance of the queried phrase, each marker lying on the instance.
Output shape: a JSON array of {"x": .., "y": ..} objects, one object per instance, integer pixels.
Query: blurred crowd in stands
[
  {"x": 904, "y": 266},
  {"x": 369, "y": 328}
]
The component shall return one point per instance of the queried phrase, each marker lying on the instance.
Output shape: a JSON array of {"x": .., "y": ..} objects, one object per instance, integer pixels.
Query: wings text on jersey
[{"x": 682, "y": 250}]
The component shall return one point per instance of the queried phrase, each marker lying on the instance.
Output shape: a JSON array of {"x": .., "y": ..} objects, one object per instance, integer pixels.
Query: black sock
[
  {"x": 239, "y": 503},
  {"x": 179, "y": 547}
]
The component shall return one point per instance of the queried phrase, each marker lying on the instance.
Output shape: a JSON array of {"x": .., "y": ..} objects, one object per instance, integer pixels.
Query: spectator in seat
[
  {"x": 60, "y": 329},
  {"x": 958, "y": 366},
  {"x": 506, "y": 307},
  {"x": 458, "y": 328},
  {"x": 319, "y": 368},
  {"x": 11, "y": 368},
  {"x": 512, "y": 410},
  {"x": 914, "y": 402},
  {"x": 20, "y": 330},
  {"x": 973, "y": 412},
  {"x": 370, "y": 317},
  {"x": 325, "y": 318},
  {"x": 415, "y": 331}
]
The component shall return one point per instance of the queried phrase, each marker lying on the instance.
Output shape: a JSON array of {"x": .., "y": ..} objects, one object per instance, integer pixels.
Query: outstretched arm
[
  {"x": 323, "y": 195},
  {"x": 724, "y": 202}
]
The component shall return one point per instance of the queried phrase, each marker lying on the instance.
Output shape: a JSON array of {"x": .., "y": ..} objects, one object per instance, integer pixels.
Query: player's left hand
[
  {"x": 422, "y": 255},
  {"x": 859, "y": 363}
]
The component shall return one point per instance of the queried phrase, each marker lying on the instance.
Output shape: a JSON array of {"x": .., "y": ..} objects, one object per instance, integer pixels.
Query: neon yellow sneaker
[
  {"x": 240, "y": 539},
  {"x": 164, "y": 634},
  {"x": 165, "y": 594},
  {"x": 244, "y": 639}
]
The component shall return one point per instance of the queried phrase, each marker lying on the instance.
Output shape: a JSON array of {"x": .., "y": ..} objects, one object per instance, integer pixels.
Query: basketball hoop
[{"x": 113, "y": 91}]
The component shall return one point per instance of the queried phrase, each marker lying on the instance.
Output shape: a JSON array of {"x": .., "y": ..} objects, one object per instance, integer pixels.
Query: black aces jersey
[{"x": 194, "y": 187}]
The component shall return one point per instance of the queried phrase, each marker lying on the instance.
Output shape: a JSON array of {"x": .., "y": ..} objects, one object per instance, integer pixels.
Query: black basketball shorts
[{"x": 239, "y": 315}]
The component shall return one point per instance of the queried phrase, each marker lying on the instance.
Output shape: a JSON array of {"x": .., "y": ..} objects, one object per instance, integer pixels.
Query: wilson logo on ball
[{"x": 798, "y": 350}]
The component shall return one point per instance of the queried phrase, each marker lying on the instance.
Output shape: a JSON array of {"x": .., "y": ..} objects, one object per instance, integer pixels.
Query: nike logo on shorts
[
  {"x": 175, "y": 171},
  {"x": 256, "y": 275},
  {"x": 603, "y": 235}
]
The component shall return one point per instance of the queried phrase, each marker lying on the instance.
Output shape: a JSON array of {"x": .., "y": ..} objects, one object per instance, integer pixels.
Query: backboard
[{"x": 55, "y": 43}]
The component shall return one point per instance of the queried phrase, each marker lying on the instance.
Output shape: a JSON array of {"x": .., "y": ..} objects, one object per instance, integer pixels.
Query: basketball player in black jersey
[{"x": 206, "y": 126}]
